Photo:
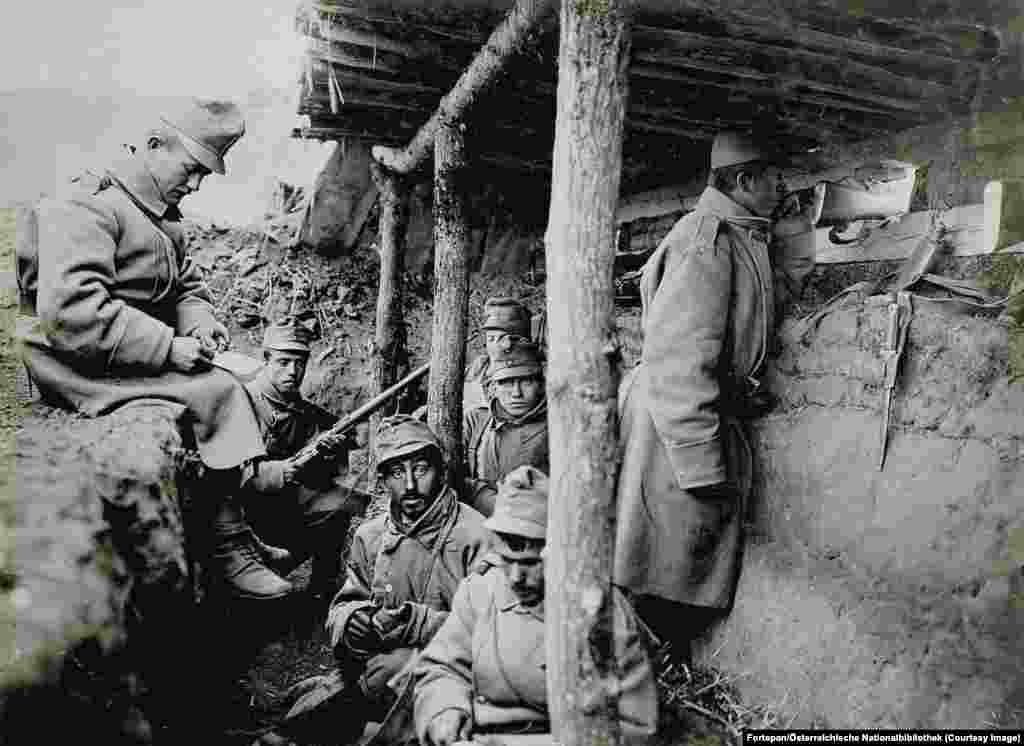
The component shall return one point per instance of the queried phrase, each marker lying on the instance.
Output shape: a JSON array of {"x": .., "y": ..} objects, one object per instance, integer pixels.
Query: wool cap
[{"x": 733, "y": 148}]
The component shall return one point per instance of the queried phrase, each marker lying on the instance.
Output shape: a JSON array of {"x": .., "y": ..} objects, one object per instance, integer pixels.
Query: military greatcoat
[
  {"x": 489, "y": 659},
  {"x": 105, "y": 292},
  {"x": 709, "y": 293}
]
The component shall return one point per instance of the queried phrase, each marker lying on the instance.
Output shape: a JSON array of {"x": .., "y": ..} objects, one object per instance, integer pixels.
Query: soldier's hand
[
  {"x": 449, "y": 727},
  {"x": 213, "y": 336},
  {"x": 387, "y": 621},
  {"x": 359, "y": 631},
  {"x": 188, "y": 355}
]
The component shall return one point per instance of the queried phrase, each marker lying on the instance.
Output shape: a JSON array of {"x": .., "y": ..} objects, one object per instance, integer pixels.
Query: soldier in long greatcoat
[
  {"x": 710, "y": 294},
  {"x": 113, "y": 311}
]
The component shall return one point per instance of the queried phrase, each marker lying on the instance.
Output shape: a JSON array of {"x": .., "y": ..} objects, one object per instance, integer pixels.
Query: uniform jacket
[
  {"x": 110, "y": 286},
  {"x": 488, "y": 659},
  {"x": 709, "y": 293},
  {"x": 390, "y": 565},
  {"x": 495, "y": 444},
  {"x": 285, "y": 426}
]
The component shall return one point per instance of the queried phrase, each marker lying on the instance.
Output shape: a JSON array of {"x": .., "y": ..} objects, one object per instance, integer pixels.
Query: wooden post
[
  {"x": 582, "y": 378},
  {"x": 451, "y": 299},
  {"x": 389, "y": 351}
]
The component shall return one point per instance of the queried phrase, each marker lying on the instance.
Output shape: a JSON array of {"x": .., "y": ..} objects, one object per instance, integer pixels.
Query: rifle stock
[{"x": 318, "y": 446}]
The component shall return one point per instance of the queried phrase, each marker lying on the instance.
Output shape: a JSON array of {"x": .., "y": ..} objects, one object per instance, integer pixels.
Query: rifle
[{"x": 329, "y": 441}]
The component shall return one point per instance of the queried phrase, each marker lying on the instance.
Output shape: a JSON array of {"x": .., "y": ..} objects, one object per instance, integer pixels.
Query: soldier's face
[
  {"x": 176, "y": 173},
  {"x": 523, "y": 564},
  {"x": 286, "y": 370},
  {"x": 414, "y": 483},
  {"x": 519, "y": 395},
  {"x": 765, "y": 191}
]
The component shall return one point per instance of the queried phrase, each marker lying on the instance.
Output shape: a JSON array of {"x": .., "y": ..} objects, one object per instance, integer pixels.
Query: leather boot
[
  {"x": 278, "y": 559},
  {"x": 234, "y": 560}
]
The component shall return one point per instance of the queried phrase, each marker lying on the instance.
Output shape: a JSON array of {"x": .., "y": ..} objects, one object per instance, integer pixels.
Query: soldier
[
  {"x": 114, "y": 311},
  {"x": 512, "y": 430},
  {"x": 709, "y": 296},
  {"x": 506, "y": 322},
  {"x": 308, "y": 514},
  {"x": 484, "y": 670},
  {"x": 403, "y": 569}
]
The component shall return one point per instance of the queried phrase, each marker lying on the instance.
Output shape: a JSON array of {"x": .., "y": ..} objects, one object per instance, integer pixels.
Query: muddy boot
[{"x": 235, "y": 562}]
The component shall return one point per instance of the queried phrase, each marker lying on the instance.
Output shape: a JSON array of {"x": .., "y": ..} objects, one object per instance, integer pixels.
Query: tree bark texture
[
  {"x": 390, "y": 355},
  {"x": 507, "y": 39},
  {"x": 582, "y": 379},
  {"x": 451, "y": 299}
]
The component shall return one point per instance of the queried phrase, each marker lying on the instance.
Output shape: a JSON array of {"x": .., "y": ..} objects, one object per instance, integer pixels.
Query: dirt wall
[{"x": 886, "y": 598}]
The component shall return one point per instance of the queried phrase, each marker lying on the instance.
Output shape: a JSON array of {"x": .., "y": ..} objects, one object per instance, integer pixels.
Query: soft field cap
[
  {"x": 287, "y": 337},
  {"x": 402, "y": 435},
  {"x": 521, "y": 506},
  {"x": 732, "y": 149},
  {"x": 507, "y": 314},
  {"x": 208, "y": 128},
  {"x": 521, "y": 361}
]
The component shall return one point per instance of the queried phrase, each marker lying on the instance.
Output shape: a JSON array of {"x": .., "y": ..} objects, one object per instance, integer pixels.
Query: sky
[{"x": 74, "y": 87}]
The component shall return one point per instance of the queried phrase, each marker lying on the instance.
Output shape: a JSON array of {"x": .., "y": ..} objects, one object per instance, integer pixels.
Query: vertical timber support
[
  {"x": 389, "y": 351},
  {"x": 451, "y": 299},
  {"x": 583, "y": 371}
]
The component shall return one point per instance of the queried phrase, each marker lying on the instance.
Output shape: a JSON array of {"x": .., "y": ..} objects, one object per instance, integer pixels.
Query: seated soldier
[
  {"x": 512, "y": 430},
  {"x": 307, "y": 513},
  {"x": 506, "y": 322},
  {"x": 403, "y": 569},
  {"x": 484, "y": 671}
]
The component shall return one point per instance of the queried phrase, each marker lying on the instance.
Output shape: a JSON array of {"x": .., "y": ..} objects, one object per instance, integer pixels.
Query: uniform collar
[
  {"x": 133, "y": 175},
  {"x": 508, "y": 602}
]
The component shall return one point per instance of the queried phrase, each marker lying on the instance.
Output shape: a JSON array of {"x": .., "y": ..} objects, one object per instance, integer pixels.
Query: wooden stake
[
  {"x": 582, "y": 379},
  {"x": 451, "y": 300},
  {"x": 389, "y": 352}
]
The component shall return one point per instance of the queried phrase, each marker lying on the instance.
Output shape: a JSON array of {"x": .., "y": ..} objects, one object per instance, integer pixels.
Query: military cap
[
  {"x": 402, "y": 435},
  {"x": 507, "y": 314},
  {"x": 521, "y": 360},
  {"x": 733, "y": 148},
  {"x": 288, "y": 336},
  {"x": 521, "y": 505},
  {"x": 207, "y": 128}
]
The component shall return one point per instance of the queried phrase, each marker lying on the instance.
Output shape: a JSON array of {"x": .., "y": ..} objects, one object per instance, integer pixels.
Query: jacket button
[
  {"x": 481, "y": 699},
  {"x": 388, "y": 588}
]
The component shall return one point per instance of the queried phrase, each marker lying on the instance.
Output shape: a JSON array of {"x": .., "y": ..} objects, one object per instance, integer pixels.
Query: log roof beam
[{"x": 811, "y": 63}]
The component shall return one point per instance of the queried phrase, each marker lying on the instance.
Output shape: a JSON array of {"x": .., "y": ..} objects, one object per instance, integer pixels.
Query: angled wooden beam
[{"x": 506, "y": 40}]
